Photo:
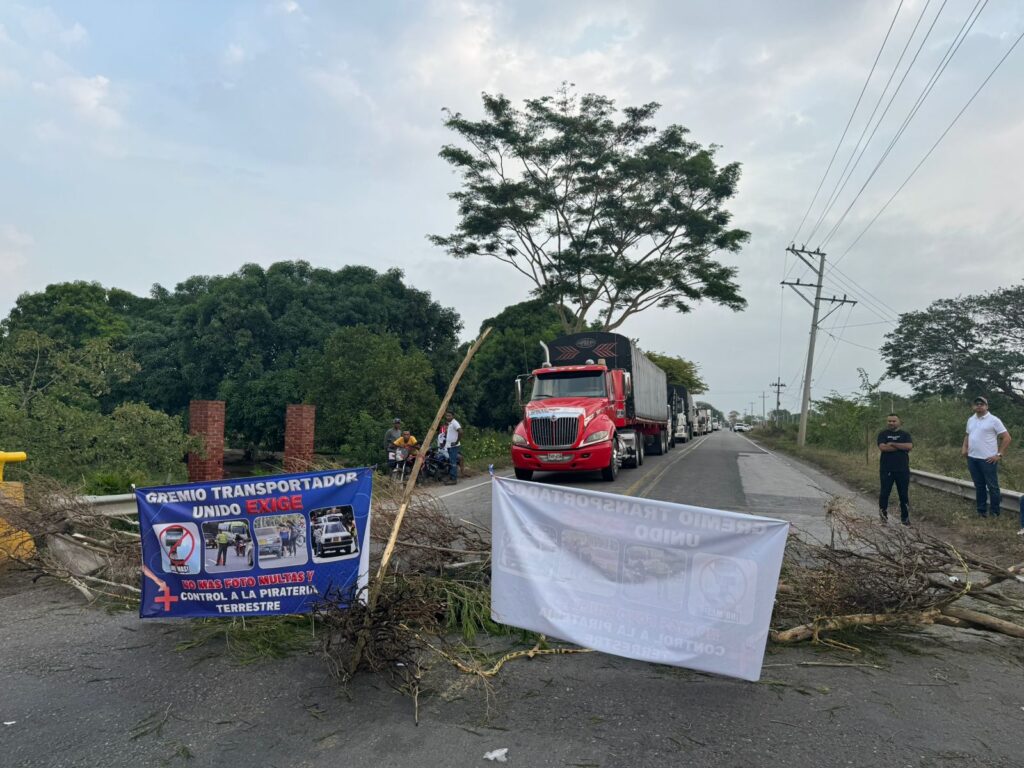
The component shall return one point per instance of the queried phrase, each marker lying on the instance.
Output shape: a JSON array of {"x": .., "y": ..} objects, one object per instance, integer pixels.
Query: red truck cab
[{"x": 571, "y": 420}]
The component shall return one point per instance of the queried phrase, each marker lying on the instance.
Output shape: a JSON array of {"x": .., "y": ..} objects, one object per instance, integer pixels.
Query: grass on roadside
[
  {"x": 953, "y": 514},
  {"x": 254, "y": 639}
]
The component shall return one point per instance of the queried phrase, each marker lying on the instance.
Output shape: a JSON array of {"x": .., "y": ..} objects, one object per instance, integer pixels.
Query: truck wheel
[
  {"x": 640, "y": 451},
  {"x": 610, "y": 472},
  {"x": 524, "y": 474}
]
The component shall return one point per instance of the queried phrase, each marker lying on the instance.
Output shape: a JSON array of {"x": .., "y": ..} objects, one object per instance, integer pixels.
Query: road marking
[
  {"x": 631, "y": 491},
  {"x": 471, "y": 487}
]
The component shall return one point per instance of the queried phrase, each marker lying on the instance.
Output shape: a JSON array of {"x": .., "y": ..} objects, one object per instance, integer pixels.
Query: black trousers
[{"x": 901, "y": 479}]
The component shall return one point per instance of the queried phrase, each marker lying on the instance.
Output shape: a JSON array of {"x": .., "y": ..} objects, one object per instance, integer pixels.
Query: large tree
[
  {"x": 606, "y": 217},
  {"x": 970, "y": 344}
]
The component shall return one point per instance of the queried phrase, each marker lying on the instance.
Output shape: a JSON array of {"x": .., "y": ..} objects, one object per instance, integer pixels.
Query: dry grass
[{"x": 951, "y": 517}]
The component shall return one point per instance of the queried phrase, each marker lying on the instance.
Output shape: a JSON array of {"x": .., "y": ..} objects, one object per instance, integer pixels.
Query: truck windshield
[{"x": 581, "y": 384}]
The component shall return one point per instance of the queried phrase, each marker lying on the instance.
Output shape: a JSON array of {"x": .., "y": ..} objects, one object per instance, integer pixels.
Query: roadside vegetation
[{"x": 841, "y": 439}]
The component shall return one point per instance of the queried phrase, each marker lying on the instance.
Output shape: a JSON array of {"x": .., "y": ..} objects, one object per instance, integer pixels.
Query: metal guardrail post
[{"x": 1009, "y": 501}]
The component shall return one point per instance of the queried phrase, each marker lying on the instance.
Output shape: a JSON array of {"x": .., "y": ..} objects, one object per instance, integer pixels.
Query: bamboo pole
[{"x": 410, "y": 486}]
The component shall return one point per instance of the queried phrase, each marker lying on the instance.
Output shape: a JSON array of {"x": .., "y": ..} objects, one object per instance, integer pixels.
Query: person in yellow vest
[{"x": 223, "y": 542}]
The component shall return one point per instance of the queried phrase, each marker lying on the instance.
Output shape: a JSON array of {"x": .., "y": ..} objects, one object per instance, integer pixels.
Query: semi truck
[
  {"x": 596, "y": 404},
  {"x": 684, "y": 416},
  {"x": 703, "y": 421}
]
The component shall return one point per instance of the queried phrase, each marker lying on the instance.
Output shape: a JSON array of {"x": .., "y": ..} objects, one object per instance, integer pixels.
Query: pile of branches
[
  {"x": 71, "y": 540},
  {"x": 430, "y": 540},
  {"x": 435, "y": 594},
  {"x": 871, "y": 575}
]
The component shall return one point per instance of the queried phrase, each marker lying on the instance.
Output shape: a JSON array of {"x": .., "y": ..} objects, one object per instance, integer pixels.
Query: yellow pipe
[
  {"x": 10, "y": 457},
  {"x": 14, "y": 544}
]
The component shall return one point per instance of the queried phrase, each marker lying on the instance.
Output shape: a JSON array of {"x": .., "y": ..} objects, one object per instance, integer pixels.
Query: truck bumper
[{"x": 589, "y": 459}]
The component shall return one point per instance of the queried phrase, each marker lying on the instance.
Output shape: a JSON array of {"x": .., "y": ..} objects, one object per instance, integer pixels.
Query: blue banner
[{"x": 255, "y": 546}]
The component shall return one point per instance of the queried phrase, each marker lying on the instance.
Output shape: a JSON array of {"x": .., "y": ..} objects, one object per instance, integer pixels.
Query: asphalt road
[{"x": 76, "y": 683}]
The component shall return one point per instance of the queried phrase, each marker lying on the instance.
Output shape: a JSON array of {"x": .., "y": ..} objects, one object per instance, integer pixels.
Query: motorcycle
[
  {"x": 403, "y": 459},
  {"x": 436, "y": 465}
]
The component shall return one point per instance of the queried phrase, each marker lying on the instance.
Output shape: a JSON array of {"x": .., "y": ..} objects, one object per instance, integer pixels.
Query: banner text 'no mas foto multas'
[{"x": 254, "y": 546}]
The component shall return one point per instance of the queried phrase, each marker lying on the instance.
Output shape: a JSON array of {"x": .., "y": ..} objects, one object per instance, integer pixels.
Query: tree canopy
[
  {"x": 605, "y": 217},
  {"x": 50, "y": 407},
  {"x": 968, "y": 345},
  {"x": 680, "y": 371},
  {"x": 237, "y": 337}
]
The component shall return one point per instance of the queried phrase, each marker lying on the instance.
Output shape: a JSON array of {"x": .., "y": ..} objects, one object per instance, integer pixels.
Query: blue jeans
[
  {"x": 453, "y": 461},
  {"x": 986, "y": 484}
]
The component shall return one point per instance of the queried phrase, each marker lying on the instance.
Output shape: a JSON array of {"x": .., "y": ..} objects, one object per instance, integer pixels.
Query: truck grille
[{"x": 560, "y": 432}]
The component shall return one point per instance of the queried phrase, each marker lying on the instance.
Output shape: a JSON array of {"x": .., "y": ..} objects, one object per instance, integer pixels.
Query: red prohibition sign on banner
[{"x": 179, "y": 543}]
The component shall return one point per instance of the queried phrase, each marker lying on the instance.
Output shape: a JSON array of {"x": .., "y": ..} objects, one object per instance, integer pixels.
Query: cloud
[
  {"x": 341, "y": 85},
  {"x": 90, "y": 99},
  {"x": 234, "y": 55},
  {"x": 14, "y": 247},
  {"x": 290, "y": 6},
  {"x": 43, "y": 25}
]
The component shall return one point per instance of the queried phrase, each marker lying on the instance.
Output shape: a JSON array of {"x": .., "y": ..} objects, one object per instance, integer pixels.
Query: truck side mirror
[{"x": 519, "y": 391}]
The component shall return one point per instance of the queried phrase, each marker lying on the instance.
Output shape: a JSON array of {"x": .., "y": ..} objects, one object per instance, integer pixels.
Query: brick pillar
[
  {"x": 206, "y": 418},
  {"x": 299, "y": 427}
]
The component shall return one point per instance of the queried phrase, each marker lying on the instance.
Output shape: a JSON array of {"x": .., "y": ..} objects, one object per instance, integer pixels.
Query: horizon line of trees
[{"x": 107, "y": 375}]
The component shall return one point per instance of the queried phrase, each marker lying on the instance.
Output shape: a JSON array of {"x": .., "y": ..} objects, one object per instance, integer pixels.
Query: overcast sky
[{"x": 145, "y": 142}]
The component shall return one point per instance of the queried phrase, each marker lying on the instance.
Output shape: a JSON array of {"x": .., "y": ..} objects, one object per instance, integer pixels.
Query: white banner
[{"x": 650, "y": 580}]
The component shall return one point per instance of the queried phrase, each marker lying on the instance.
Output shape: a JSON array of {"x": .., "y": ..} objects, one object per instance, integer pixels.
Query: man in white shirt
[
  {"x": 984, "y": 445},
  {"x": 453, "y": 441}
]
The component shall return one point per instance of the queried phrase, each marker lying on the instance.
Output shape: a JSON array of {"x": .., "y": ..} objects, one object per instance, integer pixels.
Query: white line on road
[{"x": 485, "y": 481}]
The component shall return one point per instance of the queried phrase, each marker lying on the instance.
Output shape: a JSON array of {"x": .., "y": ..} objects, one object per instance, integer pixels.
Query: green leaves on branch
[
  {"x": 360, "y": 382},
  {"x": 680, "y": 371},
  {"x": 50, "y": 407},
  {"x": 606, "y": 217}
]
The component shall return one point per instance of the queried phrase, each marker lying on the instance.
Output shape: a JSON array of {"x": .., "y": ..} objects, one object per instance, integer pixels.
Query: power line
[
  {"x": 935, "y": 145},
  {"x": 871, "y": 117},
  {"x": 832, "y": 354},
  {"x": 874, "y": 130},
  {"x": 848, "y": 123},
  {"x": 951, "y": 51}
]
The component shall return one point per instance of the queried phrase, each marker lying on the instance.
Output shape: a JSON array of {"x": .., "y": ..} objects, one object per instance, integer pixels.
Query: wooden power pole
[{"x": 807, "y": 257}]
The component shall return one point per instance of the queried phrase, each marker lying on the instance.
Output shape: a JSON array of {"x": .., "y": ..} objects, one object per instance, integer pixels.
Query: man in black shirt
[{"x": 895, "y": 445}]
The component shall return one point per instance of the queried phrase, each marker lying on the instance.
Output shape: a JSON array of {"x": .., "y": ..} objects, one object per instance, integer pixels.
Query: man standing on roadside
[
  {"x": 895, "y": 446},
  {"x": 453, "y": 441},
  {"x": 389, "y": 441},
  {"x": 984, "y": 445}
]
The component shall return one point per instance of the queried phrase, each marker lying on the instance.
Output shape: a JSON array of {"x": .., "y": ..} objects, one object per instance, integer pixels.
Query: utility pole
[
  {"x": 752, "y": 410},
  {"x": 819, "y": 273},
  {"x": 764, "y": 416},
  {"x": 778, "y": 386}
]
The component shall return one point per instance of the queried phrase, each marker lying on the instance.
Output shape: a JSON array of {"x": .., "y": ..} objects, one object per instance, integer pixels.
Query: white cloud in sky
[
  {"x": 90, "y": 98},
  {"x": 43, "y": 24},
  {"x": 14, "y": 248},
  {"x": 234, "y": 55}
]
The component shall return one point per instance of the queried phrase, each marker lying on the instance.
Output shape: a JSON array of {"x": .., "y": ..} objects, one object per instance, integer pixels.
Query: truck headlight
[
  {"x": 596, "y": 437},
  {"x": 518, "y": 439}
]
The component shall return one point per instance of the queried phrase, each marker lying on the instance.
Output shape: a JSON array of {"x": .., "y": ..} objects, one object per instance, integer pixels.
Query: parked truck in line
[
  {"x": 703, "y": 421},
  {"x": 596, "y": 404},
  {"x": 684, "y": 415}
]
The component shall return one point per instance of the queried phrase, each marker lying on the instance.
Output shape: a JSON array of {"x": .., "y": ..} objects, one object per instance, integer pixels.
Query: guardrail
[{"x": 1010, "y": 500}]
